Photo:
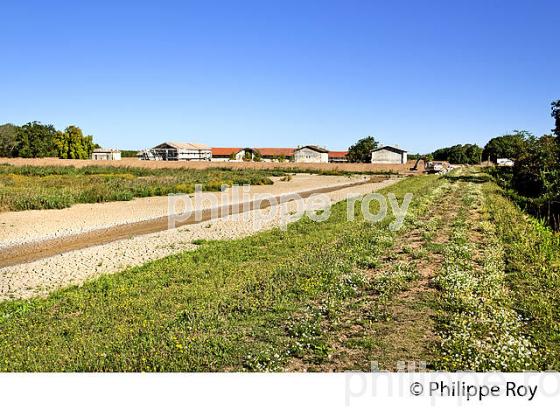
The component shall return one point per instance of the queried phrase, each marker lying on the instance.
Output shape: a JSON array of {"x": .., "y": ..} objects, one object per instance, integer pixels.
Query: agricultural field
[
  {"x": 55, "y": 187},
  {"x": 458, "y": 287}
]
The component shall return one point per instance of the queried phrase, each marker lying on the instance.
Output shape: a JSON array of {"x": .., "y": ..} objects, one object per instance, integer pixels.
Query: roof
[
  {"x": 105, "y": 150},
  {"x": 314, "y": 148},
  {"x": 224, "y": 151},
  {"x": 338, "y": 154},
  {"x": 390, "y": 148},
  {"x": 184, "y": 145},
  {"x": 269, "y": 152}
]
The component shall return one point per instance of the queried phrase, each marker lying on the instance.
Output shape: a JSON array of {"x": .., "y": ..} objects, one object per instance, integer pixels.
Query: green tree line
[
  {"x": 459, "y": 154},
  {"x": 534, "y": 180},
  {"x": 36, "y": 140}
]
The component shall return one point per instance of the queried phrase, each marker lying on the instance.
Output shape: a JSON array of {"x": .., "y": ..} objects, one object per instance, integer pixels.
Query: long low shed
[{"x": 178, "y": 151}]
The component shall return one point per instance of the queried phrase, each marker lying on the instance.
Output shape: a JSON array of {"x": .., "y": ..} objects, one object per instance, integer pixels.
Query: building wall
[
  {"x": 309, "y": 155},
  {"x": 385, "y": 156},
  {"x": 106, "y": 156},
  {"x": 194, "y": 155},
  {"x": 239, "y": 156},
  {"x": 100, "y": 156}
]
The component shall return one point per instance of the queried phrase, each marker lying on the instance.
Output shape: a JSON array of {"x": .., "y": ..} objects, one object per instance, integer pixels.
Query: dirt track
[
  {"x": 32, "y": 251},
  {"x": 73, "y": 267},
  {"x": 26, "y": 227}
]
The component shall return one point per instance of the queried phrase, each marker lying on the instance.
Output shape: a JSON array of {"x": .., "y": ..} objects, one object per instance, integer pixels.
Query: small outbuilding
[
  {"x": 504, "y": 162},
  {"x": 106, "y": 154},
  {"x": 311, "y": 153},
  {"x": 389, "y": 155}
]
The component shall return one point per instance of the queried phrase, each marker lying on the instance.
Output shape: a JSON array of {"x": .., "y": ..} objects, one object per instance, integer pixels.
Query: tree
[
  {"x": 534, "y": 180},
  {"x": 361, "y": 150},
  {"x": 534, "y": 170},
  {"x": 459, "y": 154},
  {"x": 8, "y": 140},
  {"x": 473, "y": 153},
  {"x": 125, "y": 153},
  {"x": 72, "y": 144},
  {"x": 506, "y": 146},
  {"x": 35, "y": 140},
  {"x": 556, "y": 116}
]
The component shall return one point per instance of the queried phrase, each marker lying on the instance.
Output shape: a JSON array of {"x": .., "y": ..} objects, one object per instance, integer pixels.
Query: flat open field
[
  {"x": 55, "y": 187},
  {"x": 458, "y": 287},
  {"x": 287, "y": 166}
]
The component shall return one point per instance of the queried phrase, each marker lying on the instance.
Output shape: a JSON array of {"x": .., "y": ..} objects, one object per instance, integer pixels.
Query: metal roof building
[{"x": 178, "y": 151}]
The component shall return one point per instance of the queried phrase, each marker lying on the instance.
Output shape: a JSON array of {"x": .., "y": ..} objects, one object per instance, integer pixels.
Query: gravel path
[
  {"x": 73, "y": 268},
  {"x": 17, "y": 228}
]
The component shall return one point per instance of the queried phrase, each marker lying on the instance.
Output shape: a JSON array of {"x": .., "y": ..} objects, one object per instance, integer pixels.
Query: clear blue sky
[{"x": 420, "y": 74}]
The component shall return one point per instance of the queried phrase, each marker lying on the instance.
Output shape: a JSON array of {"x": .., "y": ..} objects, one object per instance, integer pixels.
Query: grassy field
[
  {"x": 33, "y": 187},
  {"x": 459, "y": 287},
  {"x": 55, "y": 187}
]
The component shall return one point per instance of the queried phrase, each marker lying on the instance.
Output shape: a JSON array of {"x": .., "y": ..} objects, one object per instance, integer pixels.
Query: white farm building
[
  {"x": 505, "y": 162},
  {"x": 106, "y": 154},
  {"x": 311, "y": 153},
  {"x": 178, "y": 151},
  {"x": 389, "y": 155}
]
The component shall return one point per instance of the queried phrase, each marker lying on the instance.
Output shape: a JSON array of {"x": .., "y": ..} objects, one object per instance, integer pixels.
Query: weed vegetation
[{"x": 35, "y": 187}]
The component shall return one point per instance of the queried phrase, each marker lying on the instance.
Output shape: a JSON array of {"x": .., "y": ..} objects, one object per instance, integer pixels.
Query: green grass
[
  {"x": 33, "y": 187},
  {"x": 248, "y": 304},
  {"x": 276, "y": 298},
  {"x": 479, "y": 328},
  {"x": 532, "y": 268},
  {"x": 499, "y": 295}
]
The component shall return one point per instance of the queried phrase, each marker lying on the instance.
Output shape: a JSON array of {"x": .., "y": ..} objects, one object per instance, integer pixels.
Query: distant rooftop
[
  {"x": 269, "y": 152},
  {"x": 338, "y": 154},
  {"x": 105, "y": 150},
  {"x": 390, "y": 148},
  {"x": 185, "y": 145},
  {"x": 219, "y": 151},
  {"x": 314, "y": 148}
]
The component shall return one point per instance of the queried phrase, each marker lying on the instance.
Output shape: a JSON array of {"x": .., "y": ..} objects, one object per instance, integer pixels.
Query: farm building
[
  {"x": 338, "y": 156},
  {"x": 504, "y": 162},
  {"x": 275, "y": 154},
  {"x": 106, "y": 154},
  {"x": 227, "y": 154},
  {"x": 389, "y": 155},
  {"x": 311, "y": 153},
  {"x": 178, "y": 151},
  {"x": 252, "y": 154}
]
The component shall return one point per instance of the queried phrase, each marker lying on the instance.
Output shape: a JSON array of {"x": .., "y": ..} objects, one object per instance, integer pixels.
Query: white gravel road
[
  {"x": 73, "y": 268},
  {"x": 17, "y": 228}
]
